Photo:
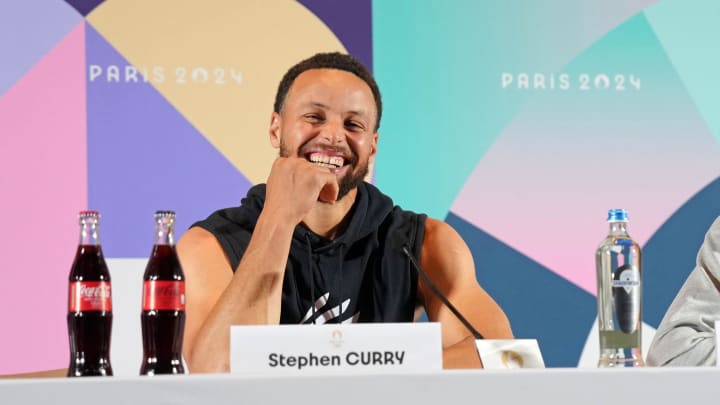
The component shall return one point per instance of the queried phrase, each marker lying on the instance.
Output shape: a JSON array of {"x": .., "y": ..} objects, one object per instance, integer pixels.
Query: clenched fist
[{"x": 295, "y": 185}]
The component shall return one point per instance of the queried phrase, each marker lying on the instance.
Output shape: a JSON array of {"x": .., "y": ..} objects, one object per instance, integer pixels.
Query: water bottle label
[
  {"x": 161, "y": 295},
  {"x": 90, "y": 296},
  {"x": 627, "y": 279}
]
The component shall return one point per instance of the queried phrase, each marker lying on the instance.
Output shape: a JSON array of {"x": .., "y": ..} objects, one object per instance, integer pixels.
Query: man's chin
[{"x": 346, "y": 188}]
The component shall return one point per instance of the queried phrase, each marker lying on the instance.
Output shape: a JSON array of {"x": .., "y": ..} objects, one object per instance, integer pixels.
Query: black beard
[{"x": 352, "y": 179}]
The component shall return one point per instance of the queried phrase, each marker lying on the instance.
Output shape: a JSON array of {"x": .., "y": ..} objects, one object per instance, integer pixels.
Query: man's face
[{"x": 329, "y": 119}]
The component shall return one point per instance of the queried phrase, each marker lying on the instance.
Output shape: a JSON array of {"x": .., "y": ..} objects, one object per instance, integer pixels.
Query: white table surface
[{"x": 552, "y": 386}]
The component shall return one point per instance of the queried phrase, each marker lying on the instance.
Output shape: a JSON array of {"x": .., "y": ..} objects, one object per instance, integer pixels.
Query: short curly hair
[{"x": 330, "y": 60}]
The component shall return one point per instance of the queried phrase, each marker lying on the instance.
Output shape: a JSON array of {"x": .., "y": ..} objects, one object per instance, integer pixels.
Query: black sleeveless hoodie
[{"x": 361, "y": 276}]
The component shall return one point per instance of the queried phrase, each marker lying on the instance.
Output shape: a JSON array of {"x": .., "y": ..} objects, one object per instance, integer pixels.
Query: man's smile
[{"x": 321, "y": 159}]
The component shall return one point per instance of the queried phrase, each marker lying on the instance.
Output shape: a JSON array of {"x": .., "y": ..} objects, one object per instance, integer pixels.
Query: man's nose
[{"x": 334, "y": 132}]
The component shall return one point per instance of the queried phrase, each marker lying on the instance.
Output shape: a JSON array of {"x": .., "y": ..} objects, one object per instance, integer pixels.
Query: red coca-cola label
[
  {"x": 90, "y": 296},
  {"x": 161, "y": 295}
]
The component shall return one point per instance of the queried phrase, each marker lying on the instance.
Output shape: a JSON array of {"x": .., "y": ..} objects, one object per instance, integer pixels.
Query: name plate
[{"x": 335, "y": 348}]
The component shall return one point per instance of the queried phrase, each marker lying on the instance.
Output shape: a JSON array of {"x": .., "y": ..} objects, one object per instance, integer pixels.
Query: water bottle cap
[
  {"x": 89, "y": 213},
  {"x": 617, "y": 215}
]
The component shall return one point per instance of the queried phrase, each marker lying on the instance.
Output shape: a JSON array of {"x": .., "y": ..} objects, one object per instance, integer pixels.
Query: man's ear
[
  {"x": 371, "y": 158},
  {"x": 275, "y": 135},
  {"x": 373, "y": 145}
]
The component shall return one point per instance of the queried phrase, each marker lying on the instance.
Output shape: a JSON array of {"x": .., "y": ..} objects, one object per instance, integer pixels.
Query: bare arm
[
  {"x": 217, "y": 297},
  {"x": 686, "y": 336},
  {"x": 449, "y": 264},
  {"x": 39, "y": 374}
]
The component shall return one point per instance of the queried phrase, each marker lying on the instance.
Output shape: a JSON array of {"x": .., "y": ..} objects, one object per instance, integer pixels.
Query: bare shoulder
[
  {"x": 203, "y": 258},
  {"x": 196, "y": 240},
  {"x": 443, "y": 250},
  {"x": 198, "y": 244},
  {"x": 437, "y": 231}
]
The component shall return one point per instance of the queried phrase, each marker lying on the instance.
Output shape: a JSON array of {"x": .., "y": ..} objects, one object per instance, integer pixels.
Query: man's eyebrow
[
  {"x": 360, "y": 113},
  {"x": 317, "y": 104}
]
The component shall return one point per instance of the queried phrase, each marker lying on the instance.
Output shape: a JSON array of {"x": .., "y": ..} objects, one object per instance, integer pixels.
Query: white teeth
[
  {"x": 326, "y": 161},
  {"x": 337, "y": 161}
]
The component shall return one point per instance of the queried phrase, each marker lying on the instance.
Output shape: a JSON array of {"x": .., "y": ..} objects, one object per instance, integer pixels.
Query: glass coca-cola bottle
[
  {"x": 163, "y": 303},
  {"x": 90, "y": 304}
]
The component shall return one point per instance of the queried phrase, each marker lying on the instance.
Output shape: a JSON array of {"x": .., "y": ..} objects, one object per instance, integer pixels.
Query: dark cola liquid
[
  {"x": 163, "y": 316},
  {"x": 89, "y": 331},
  {"x": 89, "y": 344},
  {"x": 162, "y": 342}
]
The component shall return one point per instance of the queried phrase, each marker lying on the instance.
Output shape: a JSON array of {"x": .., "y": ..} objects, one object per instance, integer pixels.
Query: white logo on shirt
[{"x": 328, "y": 315}]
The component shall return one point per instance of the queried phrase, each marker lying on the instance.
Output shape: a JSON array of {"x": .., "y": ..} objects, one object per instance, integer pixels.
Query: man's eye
[
  {"x": 354, "y": 125},
  {"x": 313, "y": 117}
]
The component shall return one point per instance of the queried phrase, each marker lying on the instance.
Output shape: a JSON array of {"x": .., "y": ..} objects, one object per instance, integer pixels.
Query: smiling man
[{"x": 317, "y": 244}]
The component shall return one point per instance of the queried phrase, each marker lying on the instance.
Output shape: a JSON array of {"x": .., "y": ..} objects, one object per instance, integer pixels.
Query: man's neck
[{"x": 330, "y": 220}]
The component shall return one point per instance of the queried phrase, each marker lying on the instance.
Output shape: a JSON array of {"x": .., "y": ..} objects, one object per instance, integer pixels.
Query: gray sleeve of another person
[{"x": 686, "y": 336}]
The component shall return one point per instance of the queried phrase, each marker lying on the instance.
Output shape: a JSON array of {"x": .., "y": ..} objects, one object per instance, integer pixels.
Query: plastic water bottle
[{"x": 619, "y": 298}]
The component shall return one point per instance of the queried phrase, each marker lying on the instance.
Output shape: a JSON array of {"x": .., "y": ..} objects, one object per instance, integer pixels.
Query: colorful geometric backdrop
[{"x": 519, "y": 124}]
